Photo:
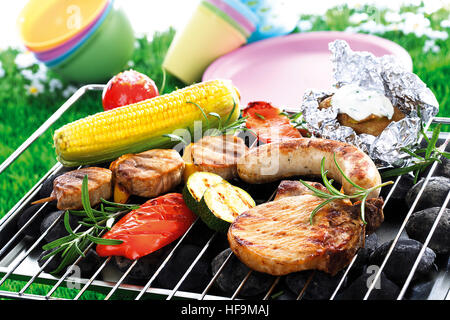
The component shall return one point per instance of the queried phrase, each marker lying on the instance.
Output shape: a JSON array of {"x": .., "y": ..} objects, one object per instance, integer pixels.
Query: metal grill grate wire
[{"x": 147, "y": 288}]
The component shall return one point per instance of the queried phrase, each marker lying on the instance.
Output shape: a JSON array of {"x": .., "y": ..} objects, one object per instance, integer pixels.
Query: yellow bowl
[{"x": 45, "y": 24}]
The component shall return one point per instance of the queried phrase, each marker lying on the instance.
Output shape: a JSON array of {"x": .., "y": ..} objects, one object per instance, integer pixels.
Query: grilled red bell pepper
[
  {"x": 269, "y": 124},
  {"x": 154, "y": 225}
]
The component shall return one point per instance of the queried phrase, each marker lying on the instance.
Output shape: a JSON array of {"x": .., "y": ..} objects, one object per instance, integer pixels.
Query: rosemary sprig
[
  {"x": 421, "y": 158},
  {"x": 260, "y": 116},
  {"x": 95, "y": 222},
  {"x": 296, "y": 120},
  {"x": 334, "y": 194},
  {"x": 230, "y": 128}
]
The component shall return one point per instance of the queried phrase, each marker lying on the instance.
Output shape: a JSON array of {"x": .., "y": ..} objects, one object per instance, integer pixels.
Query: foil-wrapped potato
[{"x": 369, "y": 123}]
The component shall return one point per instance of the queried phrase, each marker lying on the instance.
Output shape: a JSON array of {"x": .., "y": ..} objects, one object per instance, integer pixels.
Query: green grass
[{"x": 21, "y": 114}]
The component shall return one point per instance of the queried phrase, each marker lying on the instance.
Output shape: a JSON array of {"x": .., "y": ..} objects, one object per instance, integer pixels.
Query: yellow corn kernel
[{"x": 138, "y": 127}]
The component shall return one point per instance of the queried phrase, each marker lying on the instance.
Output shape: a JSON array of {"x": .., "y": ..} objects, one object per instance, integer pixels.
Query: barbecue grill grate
[{"x": 18, "y": 259}]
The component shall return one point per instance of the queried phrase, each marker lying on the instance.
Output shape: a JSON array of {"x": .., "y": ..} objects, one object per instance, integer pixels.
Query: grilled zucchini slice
[
  {"x": 221, "y": 204},
  {"x": 196, "y": 186}
]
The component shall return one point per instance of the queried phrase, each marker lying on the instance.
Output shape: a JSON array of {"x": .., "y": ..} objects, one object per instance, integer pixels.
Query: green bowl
[{"x": 104, "y": 54}]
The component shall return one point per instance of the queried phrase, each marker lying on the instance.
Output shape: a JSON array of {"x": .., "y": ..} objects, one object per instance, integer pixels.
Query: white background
[{"x": 148, "y": 16}]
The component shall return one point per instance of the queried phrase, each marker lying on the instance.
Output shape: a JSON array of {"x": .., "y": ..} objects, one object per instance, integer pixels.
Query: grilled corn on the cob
[{"x": 138, "y": 127}]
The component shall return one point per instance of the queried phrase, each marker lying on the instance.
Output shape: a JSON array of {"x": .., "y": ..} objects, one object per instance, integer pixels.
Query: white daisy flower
[
  {"x": 25, "y": 59},
  {"x": 55, "y": 84},
  {"x": 372, "y": 27},
  {"x": 352, "y": 29},
  {"x": 69, "y": 91},
  {"x": 445, "y": 23},
  {"x": 414, "y": 23},
  {"x": 393, "y": 17},
  {"x": 27, "y": 74},
  {"x": 40, "y": 74},
  {"x": 430, "y": 45},
  {"x": 436, "y": 34},
  {"x": 34, "y": 88},
  {"x": 357, "y": 18}
]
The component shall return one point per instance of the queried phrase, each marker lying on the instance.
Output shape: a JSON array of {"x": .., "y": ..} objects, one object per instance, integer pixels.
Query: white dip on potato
[{"x": 359, "y": 103}]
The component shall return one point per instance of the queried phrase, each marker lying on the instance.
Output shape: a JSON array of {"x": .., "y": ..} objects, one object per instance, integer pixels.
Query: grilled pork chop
[
  {"x": 277, "y": 237},
  {"x": 150, "y": 173},
  {"x": 67, "y": 187},
  {"x": 217, "y": 154}
]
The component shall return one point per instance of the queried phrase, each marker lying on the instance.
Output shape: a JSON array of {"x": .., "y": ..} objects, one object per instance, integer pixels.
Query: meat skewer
[
  {"x": 147, "y": 174},
  {"x": 67, "y": 188}
]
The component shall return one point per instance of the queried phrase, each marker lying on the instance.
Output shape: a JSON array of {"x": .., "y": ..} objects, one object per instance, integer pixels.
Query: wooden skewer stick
[{"x": 44, "y": 200}]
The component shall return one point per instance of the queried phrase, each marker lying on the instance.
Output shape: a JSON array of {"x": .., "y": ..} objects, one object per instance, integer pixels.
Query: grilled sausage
[{"x": 303, "y": 156}]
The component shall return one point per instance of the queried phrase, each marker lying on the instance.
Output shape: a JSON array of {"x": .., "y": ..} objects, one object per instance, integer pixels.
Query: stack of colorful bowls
[
  {"x": 216, "y": 28},
  {"x": 82, "y": 40}
]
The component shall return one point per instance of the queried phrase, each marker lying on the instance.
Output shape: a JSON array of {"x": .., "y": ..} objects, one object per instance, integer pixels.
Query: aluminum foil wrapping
[{"x": 384, "y": 74}]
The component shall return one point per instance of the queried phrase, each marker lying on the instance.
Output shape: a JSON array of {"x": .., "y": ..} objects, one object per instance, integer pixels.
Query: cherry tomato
[{"x": 128, "y": 87}]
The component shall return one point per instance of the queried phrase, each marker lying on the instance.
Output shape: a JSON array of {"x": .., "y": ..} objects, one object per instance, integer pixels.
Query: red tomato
[
  {"x": 126, "y": 88},
  {"x": 154, "y": 225},
  {"x": 267, "y": 122}
]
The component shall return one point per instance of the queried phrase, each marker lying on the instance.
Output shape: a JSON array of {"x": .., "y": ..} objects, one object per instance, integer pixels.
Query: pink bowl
[{"x": 60, "y": 50}]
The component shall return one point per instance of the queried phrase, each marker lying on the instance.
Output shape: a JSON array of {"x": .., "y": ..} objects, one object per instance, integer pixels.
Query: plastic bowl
[
  {"x": 76, "y": 41},
  {"x": 104, "y": 54},
  {"x": 65, "y": 55},
  {"x": 45, "y": 24},
  {"x": 238, "y": 15}
]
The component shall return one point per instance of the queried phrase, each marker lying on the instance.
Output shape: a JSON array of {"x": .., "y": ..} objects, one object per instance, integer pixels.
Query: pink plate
[{"x": 279, "y": 70}]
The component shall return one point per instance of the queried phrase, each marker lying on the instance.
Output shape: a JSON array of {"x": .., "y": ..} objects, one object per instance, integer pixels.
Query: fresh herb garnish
[
  {"x": 202, "y": 111},
  {"x": 334, "y": 194},
  {"x": 175, "y": 137},
  {"x": 95, "y": 221},
  {"x": 421, "y": 158},
  {"x": 260, "y": 116},
  {"x": 296, "y": 120},
  {"x": 230, "y": 128}
]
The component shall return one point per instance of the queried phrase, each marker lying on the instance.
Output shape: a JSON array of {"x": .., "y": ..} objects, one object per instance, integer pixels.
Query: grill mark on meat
[
  {"x": 242, "y": 242},
  {"x": 149, "y": 173},
  {"x": 220, "y": 150},
  {"x": 217, "y": 154}
]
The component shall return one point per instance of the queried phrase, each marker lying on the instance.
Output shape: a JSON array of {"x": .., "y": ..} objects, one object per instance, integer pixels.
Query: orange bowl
[{"x": 45, "y": 24}]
